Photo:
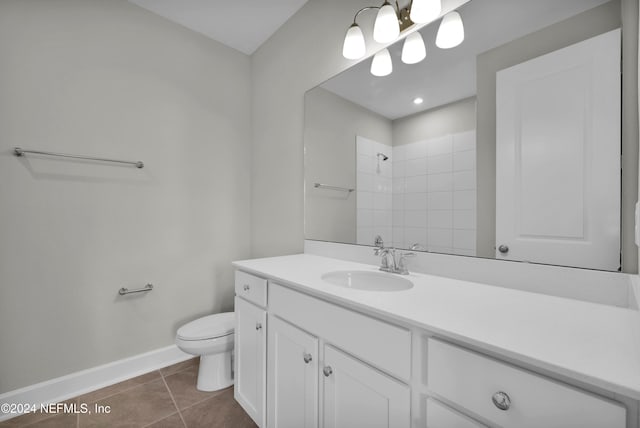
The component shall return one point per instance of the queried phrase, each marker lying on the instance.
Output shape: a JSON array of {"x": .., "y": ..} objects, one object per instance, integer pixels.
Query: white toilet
[{"x": 211, "y": 338}]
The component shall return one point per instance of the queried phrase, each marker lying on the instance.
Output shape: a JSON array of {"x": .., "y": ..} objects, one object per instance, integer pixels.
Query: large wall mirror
[{"x": 507, "y": 146}]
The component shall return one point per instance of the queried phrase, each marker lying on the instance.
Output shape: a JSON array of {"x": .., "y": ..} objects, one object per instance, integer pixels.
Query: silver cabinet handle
[
  {"x": 504, "y": 249},
  {"x": 307, "y": 358},
  {"x": 501, "y": 400},
  {"x": 327, "y": 371},
  {"x": 258, "y": 326},
  {"x": 246, "y": 287}
]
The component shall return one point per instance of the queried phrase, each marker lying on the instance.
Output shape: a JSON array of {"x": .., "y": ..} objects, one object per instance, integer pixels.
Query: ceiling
[
  {"x": 448, "y": 75},
  {"x": 241, "y": 24}
]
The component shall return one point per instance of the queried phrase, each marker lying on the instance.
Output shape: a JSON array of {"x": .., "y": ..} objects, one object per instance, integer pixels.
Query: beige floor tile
[
  {"x": 117, "y": 388},
  {"x": 183, "y": 388},
  {"x": 173, "y": 421},
  {"x": 221, "y": 411},
  {"x": 135, "y": 407},
  {"x": 180, "y": 366}
]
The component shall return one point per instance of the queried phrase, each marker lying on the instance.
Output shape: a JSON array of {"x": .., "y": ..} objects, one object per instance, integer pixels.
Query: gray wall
[
  {"x": 331, "y": 126},
  {"x": 583, "y": 26},
  {"x": 109, "y": 79},
  {"x": 458, "y": 116}
]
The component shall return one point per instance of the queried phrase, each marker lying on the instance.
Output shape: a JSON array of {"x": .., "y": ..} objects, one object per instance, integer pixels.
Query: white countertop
[{"x": 589, "y": 342}]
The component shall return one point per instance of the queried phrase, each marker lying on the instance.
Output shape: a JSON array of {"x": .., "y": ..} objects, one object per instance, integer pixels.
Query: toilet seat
[{"x": 209, "y": 327}]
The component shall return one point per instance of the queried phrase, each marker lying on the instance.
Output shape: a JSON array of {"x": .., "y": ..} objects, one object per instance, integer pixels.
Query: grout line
[
  {"x": 173, "y": 400},
  {"x": 124, "y": 390}
]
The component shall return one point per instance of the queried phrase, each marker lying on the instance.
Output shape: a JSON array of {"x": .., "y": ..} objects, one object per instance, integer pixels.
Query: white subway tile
[
  {"x": 364, "y": 218},
  {"x": 464, "y": 219},
  {"x": 463, "y": 161},
  {"x": 364, "y": 182},
  {"x": 398, "y": 236},
  {"x": 417, "y": 166},
  {"x": 464, "y": 180},
  {"x": 399, "y": 168},
  {"x": 464, "y": 200},
  {"x": 440, "y": 238},
  {"x": 397, "y": 218},
  {"x": 399, "y": 153},
  {"x": 440, "y": 219},
  {"x": 464, "y": 141},
  {"x": 464, "y": 239},
  {"x": 417, "y": 184},
  {"x": 364, "y": 200},
  {"x": 415, "y": 201},
  {"x": 415, "y": 235},
  {"x": 382, "y": 218},
  {"x": 397, "y": 202},
  {"x": 439, "y": 164},
  {"x": 364, "y": 235},
  {"x": 382, "y": 184},
  {"x": 382, "y": 201},
  {"x": 415, "y": 218},
  {"x": 440, "y": 182},
  {"x": 440, "y": 200},
  {"x": 398, "y": 185}
]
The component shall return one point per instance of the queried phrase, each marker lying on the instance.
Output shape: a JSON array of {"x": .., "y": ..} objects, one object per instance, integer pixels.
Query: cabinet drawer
[
  {"x": 251, "y": 288},
  {"x": 442, "y": 416},
  {"x": 383, "y": 345},
  {"x": 471, "y": 381}
]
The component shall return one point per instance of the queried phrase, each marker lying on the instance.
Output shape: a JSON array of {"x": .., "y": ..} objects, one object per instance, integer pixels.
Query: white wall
[{"x": 107, "y": 78}]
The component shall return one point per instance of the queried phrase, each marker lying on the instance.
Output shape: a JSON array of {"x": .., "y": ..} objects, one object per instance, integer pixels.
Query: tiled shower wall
[
  {"x": 374, "y": 191},
  {"x": 434, "y": 194}
]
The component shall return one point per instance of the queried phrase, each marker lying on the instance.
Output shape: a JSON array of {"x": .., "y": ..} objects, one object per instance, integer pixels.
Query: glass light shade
[
  {"x": 386, "y": 28},
  {"x": 450, "y": 32},
  {"x": 423, "y": 11},
  {"x": 381, "y": 64},
  {"x": 413, "y": 50},
  {"x": 354, "y": 47}
]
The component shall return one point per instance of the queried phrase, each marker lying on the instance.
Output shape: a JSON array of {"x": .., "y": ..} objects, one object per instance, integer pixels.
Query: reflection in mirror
[{"x": 507, "y": 146}]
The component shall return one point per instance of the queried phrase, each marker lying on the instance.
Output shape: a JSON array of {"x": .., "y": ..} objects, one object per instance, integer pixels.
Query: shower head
[{"x": 383, "y": 156}]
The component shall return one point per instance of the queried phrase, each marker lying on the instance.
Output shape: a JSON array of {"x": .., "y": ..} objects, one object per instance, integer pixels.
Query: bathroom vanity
[{"x": 442, "y": 353}]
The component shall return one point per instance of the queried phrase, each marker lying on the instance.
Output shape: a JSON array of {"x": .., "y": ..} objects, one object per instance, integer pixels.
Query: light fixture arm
[{"x": 362, "y": 10}]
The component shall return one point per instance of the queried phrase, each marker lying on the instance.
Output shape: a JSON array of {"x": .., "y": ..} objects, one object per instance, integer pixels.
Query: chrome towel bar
[
  {"x": 21, "y": 152},
  {"x": 326, "y": 186},
  {"x": 124, "y": 291}
]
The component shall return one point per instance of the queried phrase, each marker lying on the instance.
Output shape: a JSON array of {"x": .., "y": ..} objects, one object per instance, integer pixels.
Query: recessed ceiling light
[{"x": 417, "y": 100}]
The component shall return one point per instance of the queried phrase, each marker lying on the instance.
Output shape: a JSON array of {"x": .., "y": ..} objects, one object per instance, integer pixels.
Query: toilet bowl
[{"x": 211, "y": 338}]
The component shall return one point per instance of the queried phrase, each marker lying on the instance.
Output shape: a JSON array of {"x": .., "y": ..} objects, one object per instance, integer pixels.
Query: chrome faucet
[{"x": 388, "y": 263}]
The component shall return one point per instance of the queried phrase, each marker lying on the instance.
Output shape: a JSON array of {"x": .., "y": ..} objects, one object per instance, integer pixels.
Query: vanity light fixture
[
  {"x": 381, "y": 64},
  {"x": 413, "y": 50},
  {"x": 418, "y": 100},
  {"x": 451, "y": 31},
  {"x": 391, "y": 22}
]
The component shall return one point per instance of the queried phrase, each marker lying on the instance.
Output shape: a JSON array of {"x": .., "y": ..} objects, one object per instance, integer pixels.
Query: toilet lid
[{"x": 208, "y": 327}]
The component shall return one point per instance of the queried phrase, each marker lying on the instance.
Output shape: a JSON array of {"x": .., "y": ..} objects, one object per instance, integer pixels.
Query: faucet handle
[{"x": 417, "y": 247}]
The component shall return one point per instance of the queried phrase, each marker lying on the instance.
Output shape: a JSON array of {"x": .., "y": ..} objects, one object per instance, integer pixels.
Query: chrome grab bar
[
  {"x": 327, "y": 186},
  {"x": 21, "y": 152},
  {"x": 124, "y": 291}
]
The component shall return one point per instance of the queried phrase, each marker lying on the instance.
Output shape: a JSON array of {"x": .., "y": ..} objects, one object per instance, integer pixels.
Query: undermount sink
[{"x": 367, "y": 280}]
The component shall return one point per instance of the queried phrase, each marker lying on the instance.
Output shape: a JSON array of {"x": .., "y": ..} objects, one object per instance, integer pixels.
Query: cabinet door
[
  {"x": 250, "y": 359},
  {"x": 292, "y": 397},
  {"x": 358, "y": 396}
]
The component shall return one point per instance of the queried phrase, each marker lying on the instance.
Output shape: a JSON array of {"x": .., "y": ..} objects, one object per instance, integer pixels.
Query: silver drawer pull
[
  {"x": 246, "y": 287},
  {"x": 327, "y": 371},
  {"x": 501, "y": 400},
  {"x": 307, "y": 358},
  {"x": 258, "y": 326}
]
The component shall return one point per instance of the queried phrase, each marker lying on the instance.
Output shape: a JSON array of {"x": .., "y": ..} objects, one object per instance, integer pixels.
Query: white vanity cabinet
[
  {"x": 292, "y": 392},
  {"x": 347, "y": 356},
  {"x": 510, "y": 397},
  {"x": 250, "y": 345}
]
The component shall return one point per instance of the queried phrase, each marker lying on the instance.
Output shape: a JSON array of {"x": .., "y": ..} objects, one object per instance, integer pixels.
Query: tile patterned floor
[{"x": 165, "y": 398}]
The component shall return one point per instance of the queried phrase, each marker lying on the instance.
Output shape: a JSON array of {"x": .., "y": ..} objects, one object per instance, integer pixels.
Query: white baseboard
[{"x": 74, "y": 384}]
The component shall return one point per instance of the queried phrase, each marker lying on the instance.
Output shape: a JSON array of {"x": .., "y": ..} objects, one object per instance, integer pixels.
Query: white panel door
[
  {"x": 292, "y": 377},
  {"x": 250, "y": 359},
  {"x": 358, "y": 396},
  {"x": 558, "y": 157}
]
